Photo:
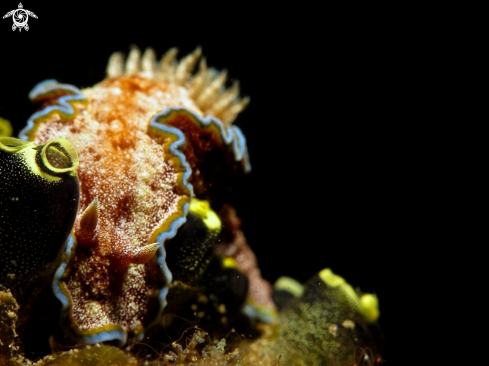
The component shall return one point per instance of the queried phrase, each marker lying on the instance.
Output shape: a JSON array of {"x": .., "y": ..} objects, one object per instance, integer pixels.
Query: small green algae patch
[{"x": 99, "y": 355}]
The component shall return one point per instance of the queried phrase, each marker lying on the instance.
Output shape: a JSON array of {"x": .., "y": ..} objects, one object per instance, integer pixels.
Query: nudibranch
[
  {"x": 117, "y": 197},
  {"x": 150, "y": 138},
  {"x": 39, "y": 193}
]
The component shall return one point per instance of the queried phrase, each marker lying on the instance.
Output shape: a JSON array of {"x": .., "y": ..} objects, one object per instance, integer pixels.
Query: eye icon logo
[{"x": 20, "y": 17}]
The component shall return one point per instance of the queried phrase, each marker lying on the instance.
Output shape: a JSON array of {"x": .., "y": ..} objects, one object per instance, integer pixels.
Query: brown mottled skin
[{"x": 139, "y": 189}]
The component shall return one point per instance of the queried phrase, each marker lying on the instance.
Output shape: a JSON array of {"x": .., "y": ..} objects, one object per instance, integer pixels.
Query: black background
[{"x": 330, "y": 128}]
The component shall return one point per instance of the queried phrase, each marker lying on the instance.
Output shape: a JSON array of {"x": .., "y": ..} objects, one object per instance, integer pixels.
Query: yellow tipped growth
[
  {"x": 229, "y": 262},
  {"x": 334, "y": 281},
  {"x": 60, "y": 156},
  {"x": 57, "y": 156},
  {"x": 290, "y": 285},
  {"x": 204, "y": 211},
  {"x": 370, "y": 307},
  {"x": 331, "y": 279},
  {"x": 368, "y": 304},
  {"x": 13, "y": 145},
  {"x": 5, "y": 128}
]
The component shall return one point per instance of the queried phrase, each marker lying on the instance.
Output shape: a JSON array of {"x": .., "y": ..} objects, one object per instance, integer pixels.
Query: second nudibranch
[{"x": 142, "y": 138}]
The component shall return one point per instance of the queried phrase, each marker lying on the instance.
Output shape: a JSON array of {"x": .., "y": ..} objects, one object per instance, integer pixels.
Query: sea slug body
[{"x": 139, "y": 143}]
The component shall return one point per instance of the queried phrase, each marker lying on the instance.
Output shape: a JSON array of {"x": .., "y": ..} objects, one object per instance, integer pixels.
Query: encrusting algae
[
  {"x": 8, "y": 318},
  {"x": 139, "y": 258}
]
